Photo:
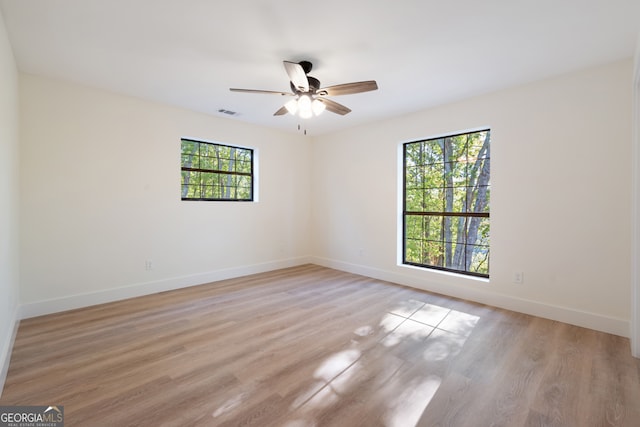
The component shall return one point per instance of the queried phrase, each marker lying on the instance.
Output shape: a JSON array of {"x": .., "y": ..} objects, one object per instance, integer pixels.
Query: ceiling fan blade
[
  {"x": 281, "y": 112},
  {"x": 269, "y": 92},
  {"x": 349, "y": 88},
  {"x": 334, "y": 107},
  {"x": 297, "y": 75}
]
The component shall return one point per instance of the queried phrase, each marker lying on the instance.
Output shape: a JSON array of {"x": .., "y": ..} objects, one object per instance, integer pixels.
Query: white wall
[
  {"x": 100, "y": 186},
  {"x": 8, "y": 200},
  {"x": 560, "y": 205}
]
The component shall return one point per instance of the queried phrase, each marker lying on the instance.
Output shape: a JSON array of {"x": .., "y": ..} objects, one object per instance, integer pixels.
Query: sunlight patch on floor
[
  {"x": 408, "y": 329},
  {"x": 459, "y": 323},
  {"x": 430, "y": 314},
  {"x": 407, "y": 308},
  {"x": 443, "y": 345},
  {"x": 438, "y": 332},
  {"x": 363, "y": 331},
  {"x": 306, "y": 395},
  {"x": 389, "y": 322},
  {"x": 322, "y": 392},
  {"x": 407, "y": 407},
  {"x": 340, "y": 384},
  {"x": 335, "y": 364}
]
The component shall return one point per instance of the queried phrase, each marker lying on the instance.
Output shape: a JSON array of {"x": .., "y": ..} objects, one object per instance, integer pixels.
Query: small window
[
  {"x": 446, "y": 196},
  {"x": 216, "y": 172}
]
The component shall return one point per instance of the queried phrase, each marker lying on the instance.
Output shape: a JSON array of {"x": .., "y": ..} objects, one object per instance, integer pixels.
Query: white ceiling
[{"x": 422, "y": 53}]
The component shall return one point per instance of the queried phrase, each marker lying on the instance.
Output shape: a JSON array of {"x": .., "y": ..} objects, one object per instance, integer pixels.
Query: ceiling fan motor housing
[
  {"x": 314, "y": 85},
  {"x": 306, "y": 66}
]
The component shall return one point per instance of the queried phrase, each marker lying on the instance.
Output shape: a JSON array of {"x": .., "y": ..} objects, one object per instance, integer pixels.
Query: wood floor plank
[
  {"x": 507, "y": 401},
  {"x": 310, "y": 346}
]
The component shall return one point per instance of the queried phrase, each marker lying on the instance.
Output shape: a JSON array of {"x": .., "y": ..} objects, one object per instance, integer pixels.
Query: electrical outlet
[
  {"x": 518, "y": 277},
  {"x": 148, "y": 265}
]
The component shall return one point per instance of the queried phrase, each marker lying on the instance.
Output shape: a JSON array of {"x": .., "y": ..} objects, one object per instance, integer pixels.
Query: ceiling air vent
[{"x": 228, "y": 112}]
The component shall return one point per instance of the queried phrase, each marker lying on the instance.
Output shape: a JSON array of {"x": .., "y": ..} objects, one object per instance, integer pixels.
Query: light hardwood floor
[{"x": 311, "y": 346}]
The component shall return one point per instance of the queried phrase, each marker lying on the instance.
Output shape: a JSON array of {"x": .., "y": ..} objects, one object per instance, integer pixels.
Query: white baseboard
[
  {"x": 480, "y": 294},
  {"x": 7, "y": 347},
  {"x": 56, "y": 305}
]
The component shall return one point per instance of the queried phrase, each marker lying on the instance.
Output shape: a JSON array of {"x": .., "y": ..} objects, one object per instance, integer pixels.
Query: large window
[
  {"x": 446, "y": 203},
  {"x": 216, "y": 172}
]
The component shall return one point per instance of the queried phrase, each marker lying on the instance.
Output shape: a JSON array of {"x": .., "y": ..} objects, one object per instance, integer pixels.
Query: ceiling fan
[{"x": 310, "y": 99}]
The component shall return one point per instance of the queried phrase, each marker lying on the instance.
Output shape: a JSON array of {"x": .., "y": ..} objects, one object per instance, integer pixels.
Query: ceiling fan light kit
[
  {"x": 310, "y": 98},
  {"x": 305, "y": 107},
  {"x": 318, "y": 106}
]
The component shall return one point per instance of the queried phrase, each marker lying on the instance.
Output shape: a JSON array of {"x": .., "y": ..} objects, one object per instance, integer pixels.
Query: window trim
[
  {"x": 404, "y": 212},
  {"x": 251, "y": 175}
]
